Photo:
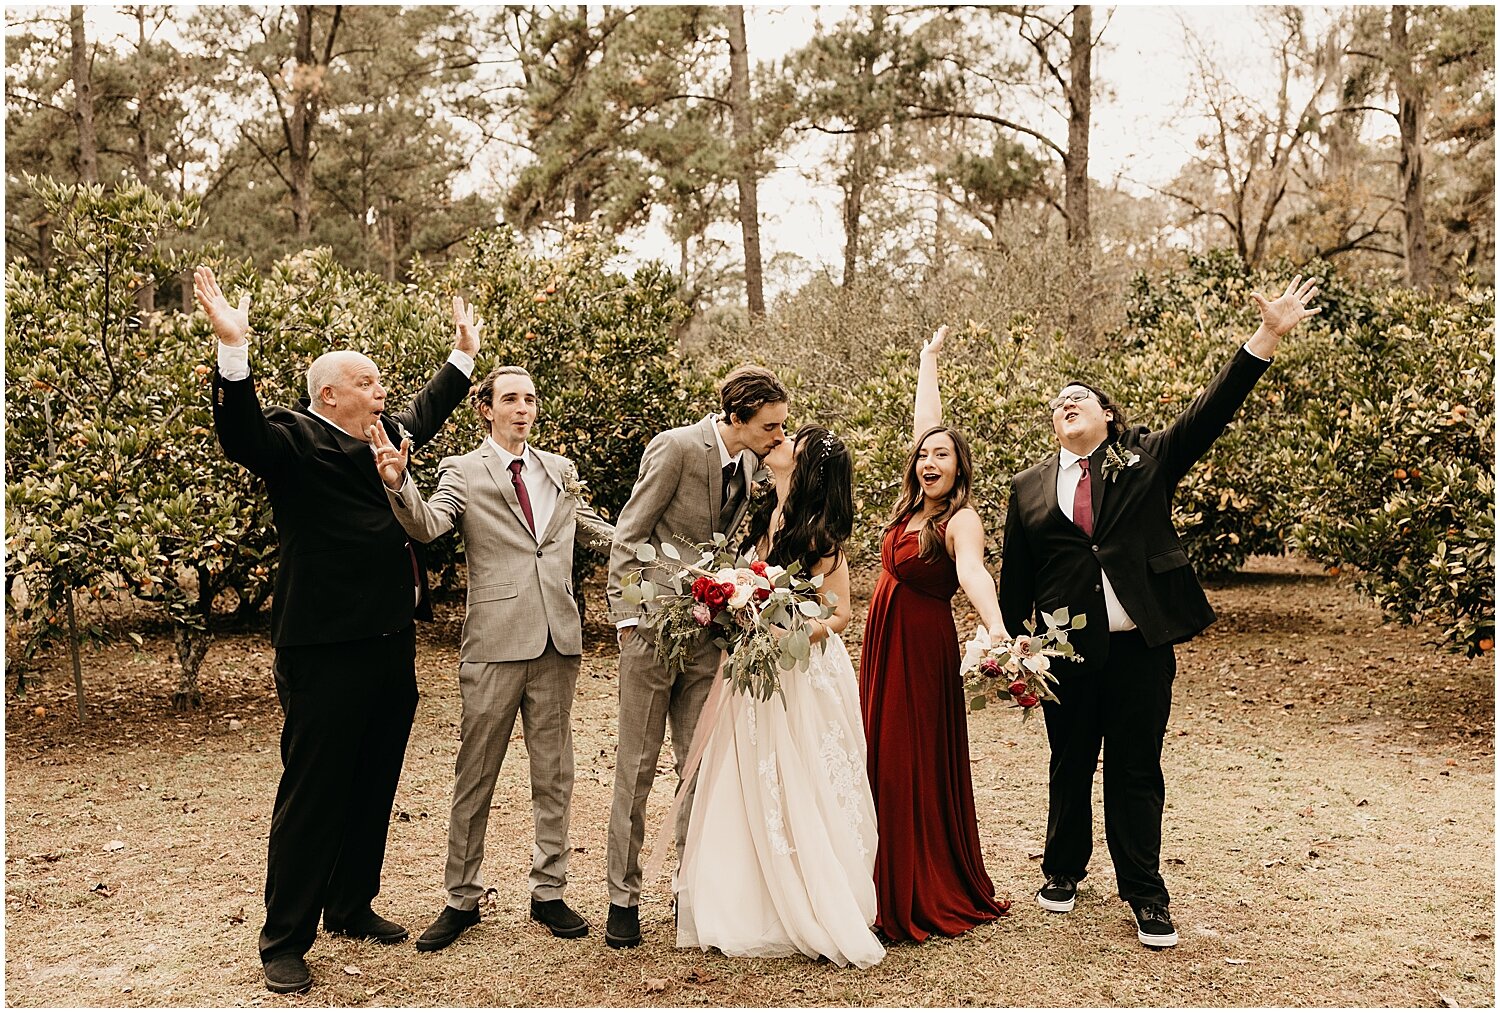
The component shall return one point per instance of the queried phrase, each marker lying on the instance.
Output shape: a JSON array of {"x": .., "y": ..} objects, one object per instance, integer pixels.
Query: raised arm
[
  {"x": 929, "y": 407},
  {"x": 1193, "y": 432},
  {"x": 966, "y": 543},
  {"x": 424, "y": 417}
]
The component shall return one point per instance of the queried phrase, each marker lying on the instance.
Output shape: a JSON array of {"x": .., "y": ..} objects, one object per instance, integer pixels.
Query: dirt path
[{"x": 1329, "y": 841}]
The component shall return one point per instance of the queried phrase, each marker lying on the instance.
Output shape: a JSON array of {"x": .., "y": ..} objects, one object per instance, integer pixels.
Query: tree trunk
[
  {"x": 1411, "y": 117},
  {"x": 83, "y": 101},
  {"x": 739, "y": 95},
  {"x": 307, "y": 86},
  {"x": 1076, "y": 177},
  {"x": 75, "y": 652},
  {"x": 192, "y": 645}
]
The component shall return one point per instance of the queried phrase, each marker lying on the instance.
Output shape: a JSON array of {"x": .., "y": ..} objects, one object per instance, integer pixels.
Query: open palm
[
  {"x": 1290, "y": 309},
  {"x": 230, "y": 323}
]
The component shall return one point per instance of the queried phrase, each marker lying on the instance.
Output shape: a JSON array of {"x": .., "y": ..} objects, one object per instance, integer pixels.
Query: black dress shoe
[
  {"x": 1154, "y": 926},
  {"x": 1058, "y": 895},
  {"x": 287, "y": 973},
  {"x": 368, "y": 926},
  {"x": 563, "y": 921},
  {"x": 623, "y": 928},
  {"x": 448, "y": 927}
]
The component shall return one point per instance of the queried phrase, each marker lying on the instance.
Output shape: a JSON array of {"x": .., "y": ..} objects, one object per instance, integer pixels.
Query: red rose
[
  {"x": 700, "y": 589},
  {"x": 716, "y": 594},
  {"x": 1029, "y": 700},
  {"x": 762, "y": 593},
  {"x": 758, "y": 568},
  {"x": 990, "y": 667},
  {"x": 1018, "y": 688}
]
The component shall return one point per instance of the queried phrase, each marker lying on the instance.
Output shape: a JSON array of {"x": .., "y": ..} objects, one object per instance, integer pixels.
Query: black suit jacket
[
  {"x": 344, "y": 567},
  {"x": 1048, "y": 563}
]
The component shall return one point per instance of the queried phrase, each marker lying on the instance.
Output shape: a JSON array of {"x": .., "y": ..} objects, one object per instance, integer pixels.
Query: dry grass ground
[{"x": 1329, "y": 841}]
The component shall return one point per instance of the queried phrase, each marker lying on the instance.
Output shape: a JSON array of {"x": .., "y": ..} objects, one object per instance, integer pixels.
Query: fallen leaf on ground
[
  {"x": 352, "y": 970},
  {"x": 115, "y": 846},
  {"x": 1235, "y": 960}
]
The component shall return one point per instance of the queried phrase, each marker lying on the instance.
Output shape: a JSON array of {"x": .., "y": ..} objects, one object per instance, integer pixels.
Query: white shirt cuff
[
  {"x": 625, "y": 624},
  {"x": 1262, "y": 358},
  {"x": 234, "y": 361},
  {"x": 463, "y": 361}
]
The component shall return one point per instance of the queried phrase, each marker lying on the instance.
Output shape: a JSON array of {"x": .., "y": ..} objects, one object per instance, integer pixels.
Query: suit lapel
[
  {"x": 501, "y": 477},
  {"x": 1097, "y": 482},
  {"x": 1049, "y": 488},
  {"x": 551, "y": 464},
  {"x": 715, "y": 473}
]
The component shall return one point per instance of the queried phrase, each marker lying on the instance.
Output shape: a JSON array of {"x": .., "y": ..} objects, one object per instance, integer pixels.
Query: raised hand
[
  {"x": 466, "y": 327},
  {"x": 934, "y": 344},
  {"x": 1290, "y": 309},
  {"x": 230, "y": 323},
  {"x": 389, "y": 461}
]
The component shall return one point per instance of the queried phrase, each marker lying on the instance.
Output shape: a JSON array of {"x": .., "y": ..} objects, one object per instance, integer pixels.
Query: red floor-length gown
[{"x": 929, "y": 873}]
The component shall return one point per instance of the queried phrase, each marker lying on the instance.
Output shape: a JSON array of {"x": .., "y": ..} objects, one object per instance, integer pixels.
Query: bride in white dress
[{"x": 781, "y": 841}]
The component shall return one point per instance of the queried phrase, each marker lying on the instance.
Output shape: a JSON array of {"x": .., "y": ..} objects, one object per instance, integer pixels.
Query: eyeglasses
[{"x": 1077, "y": 397}]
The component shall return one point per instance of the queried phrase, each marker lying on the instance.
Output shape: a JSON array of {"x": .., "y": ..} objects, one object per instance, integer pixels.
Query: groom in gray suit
[
  {"x": 694, "y": 481},
  {"x": 518, "y": 509}
]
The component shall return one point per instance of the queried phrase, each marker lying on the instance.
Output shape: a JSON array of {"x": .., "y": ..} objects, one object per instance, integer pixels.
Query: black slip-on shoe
[
  {"x": 368, "y": 926},
  {"x": 561, "y": 920},
  {"x": 449, "y": 926},
  {"x": 623, "y": 929},
  {"x": 286, "y": 974}
]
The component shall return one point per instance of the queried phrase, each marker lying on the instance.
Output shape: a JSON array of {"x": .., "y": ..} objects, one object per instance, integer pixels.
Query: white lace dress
[{"x": 781, "y": 842}]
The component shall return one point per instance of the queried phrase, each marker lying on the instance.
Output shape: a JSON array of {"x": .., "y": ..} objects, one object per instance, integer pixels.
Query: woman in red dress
[{"x": 929, "y": 873}]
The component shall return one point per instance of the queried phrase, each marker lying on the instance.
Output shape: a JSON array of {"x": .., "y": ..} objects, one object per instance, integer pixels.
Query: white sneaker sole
[
  {"x": 1157, "y": 942},
  {"x": 1058, "y": 907}
]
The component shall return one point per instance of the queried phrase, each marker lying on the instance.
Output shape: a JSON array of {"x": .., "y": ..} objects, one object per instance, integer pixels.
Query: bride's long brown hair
[{"x": 929, "y": 541}]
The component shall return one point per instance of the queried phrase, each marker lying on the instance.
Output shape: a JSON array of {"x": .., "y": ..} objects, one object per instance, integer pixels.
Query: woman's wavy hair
[
  {"x": 819, "y": 513},
  {"x": 930, "y": 543}
]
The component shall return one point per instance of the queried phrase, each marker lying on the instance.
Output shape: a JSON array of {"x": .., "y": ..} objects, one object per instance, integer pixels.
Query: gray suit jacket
[
  {"x": 520, "y": 586},
  {"x": 676, "y": 498}
]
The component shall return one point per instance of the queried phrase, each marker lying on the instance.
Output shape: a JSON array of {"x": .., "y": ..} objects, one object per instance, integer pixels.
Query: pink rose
[
  {"x": 701, "y": 615},
  {"x": 1024, "y": 647}
]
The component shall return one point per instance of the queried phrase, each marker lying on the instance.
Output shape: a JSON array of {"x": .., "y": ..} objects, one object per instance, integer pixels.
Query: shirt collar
[
  {"x": 526, "y": 456},
  {"x": 1066, "y": 458},
  {"x": 724, "y": 459},
  {"x": 324, "y": 418}
]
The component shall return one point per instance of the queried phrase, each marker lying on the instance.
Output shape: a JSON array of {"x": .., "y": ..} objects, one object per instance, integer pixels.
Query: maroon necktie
[
  {"x": 521, "y": 493},
  {"x": 1083, "y": 501}
]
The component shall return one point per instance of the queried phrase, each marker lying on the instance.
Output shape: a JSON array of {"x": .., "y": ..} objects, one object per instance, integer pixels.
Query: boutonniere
[
  {"x": 401, "y": 434},
  {"x": 762, "y": 484},
  {"x": 1117, "y": 460},
  {"x": 573, "y": 485}
]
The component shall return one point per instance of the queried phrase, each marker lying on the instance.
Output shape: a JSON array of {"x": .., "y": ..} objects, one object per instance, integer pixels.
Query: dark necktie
[
  {"x": 730, "y": 494},
  {"x": 1083, "y": 500},
  {"x": 521, "y": 493}
]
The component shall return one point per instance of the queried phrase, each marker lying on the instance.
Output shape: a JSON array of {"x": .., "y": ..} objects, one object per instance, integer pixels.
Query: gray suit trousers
[
  {"x": 649, "y": 698},
  {"x": 542, "y": 690}
]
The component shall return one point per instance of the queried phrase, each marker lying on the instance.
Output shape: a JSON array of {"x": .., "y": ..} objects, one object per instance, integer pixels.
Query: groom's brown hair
[{"x": 747, "y": 390}]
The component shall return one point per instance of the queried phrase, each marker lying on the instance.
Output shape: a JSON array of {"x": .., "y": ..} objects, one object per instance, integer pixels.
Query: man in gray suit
[
  {"x": 694, "y": 481},
  {"x": 518, "y": 509}
]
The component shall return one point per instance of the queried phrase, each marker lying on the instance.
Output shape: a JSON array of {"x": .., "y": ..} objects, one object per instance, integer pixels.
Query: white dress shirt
[
  {"x": 1068, "y": 476},
  {"x": 539, "y": 485}
]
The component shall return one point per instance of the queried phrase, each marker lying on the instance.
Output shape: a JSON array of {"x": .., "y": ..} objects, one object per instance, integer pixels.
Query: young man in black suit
[
  {"x": 348, "y": 585},
  {"x": 1090, "y": 529}
]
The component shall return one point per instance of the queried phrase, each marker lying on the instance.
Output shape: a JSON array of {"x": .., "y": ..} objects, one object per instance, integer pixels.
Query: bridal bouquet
[
  {"x": 756, "y": 612},
  {"x": 1019, "y": 668}
]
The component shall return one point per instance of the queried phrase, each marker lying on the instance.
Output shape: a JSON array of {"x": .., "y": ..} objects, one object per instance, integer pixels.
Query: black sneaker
[
  {"x": 1058, "y": 895},
  {"x": 450, "y": 924},
  {"x": 1154, "y": 926},
  {"x": 623, "y": 929}
]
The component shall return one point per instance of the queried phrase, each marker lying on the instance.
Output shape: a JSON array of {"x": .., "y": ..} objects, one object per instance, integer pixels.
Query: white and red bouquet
[
  {"x": 1019, "y": 670},
  {"x": 756, "y": 612}
]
